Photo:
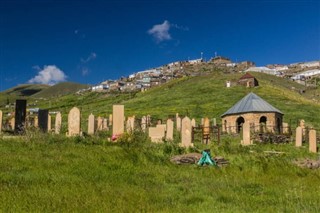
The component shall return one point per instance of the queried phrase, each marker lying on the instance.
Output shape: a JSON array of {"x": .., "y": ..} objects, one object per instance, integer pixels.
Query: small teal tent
[{"x": 206, "y": 159}]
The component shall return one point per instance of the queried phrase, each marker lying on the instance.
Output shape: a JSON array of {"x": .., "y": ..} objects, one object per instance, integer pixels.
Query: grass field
[{"x": 47, "y": 173}]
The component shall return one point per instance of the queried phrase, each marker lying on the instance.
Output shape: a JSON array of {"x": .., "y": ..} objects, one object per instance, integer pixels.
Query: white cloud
[
  {"x": 92, "y": 56},
  {"x": 50, "y": 74},
  {"x": 161, "y": 31}
]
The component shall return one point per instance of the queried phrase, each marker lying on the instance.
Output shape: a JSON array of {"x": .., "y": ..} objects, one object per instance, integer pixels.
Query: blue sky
[{"x": 88, "y": 41}]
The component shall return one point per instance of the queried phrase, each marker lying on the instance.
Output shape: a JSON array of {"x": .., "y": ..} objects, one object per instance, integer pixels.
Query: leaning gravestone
[
  {"x": 169, "y": 135},
  {"x": 74, "y": 122},
  {"x": 57, "y": 123},
  {"x": 20, "y": 116},
  {"x": 186, "y": 132},
  {"x": 118, "y": 119},
  {"x": 313, "y": 141},
  {"x": 91, "y": 124},
  {"x": 0, "y": 121},
  {"x": 246, "y": 140},
  {"x": 299, "y": 136},
  {"x": 43, "y": 120}
]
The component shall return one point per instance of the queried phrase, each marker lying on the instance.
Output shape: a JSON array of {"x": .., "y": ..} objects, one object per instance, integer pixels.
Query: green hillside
[
  {"x": 197, "y": 97},
  {"x": 60, "y": 89}
]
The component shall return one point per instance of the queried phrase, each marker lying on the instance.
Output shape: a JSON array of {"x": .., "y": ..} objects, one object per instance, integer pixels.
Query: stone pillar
[
  {"x": 57, "y": 123},
  {"x": 169, "y": 135},
  {"x": 91, "y": 126},
  {"x": 298, "y": 136},
  {"x": 74, "y": 122},
  {"x": 246, "y": 139},
  {"x": 118, "y": 120},
  {"x": 313, "y": 141},
  {"x": 186, "y": 133}
]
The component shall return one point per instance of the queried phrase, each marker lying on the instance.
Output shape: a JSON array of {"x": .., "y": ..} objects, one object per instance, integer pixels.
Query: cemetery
[{"x": 246, "y": 155}]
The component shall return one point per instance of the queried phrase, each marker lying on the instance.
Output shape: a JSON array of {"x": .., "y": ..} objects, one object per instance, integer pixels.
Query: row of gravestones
[{"x": 300, "y": 131}]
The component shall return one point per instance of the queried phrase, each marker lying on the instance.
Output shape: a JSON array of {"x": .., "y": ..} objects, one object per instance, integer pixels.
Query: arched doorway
[
  {"x": 263, "y": 123},
  {"x": 239, "y": 122}
]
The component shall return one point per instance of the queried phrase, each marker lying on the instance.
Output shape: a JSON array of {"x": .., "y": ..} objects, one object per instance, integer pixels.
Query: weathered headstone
[
  {"x": 20, "y": 116},
  {"x": 163, "y": 126},
  {"x": 99, "y": 123},
  {"x": 49, "y": 123},
  {"x": 130, "y": 124},
  {"x": 118, "y": 120},
  {"x": 91, "y": 125},
  {"x": 156, "y": 134},
  {"x": 110, "y": 120},
  {"x": 186, "y": 132},
  {"x": 298, "y": 136},
  {"x": 143, "y": 123},
  {"x": 57, "y": 123},
  {"x": 36, "y": 121},
  {"x": 105, "y": 124},
  {"x": 169, "y": 135},
  {"x": 178, "y": 123},
  {"x": 246, "y": 139},
  {"x": 43, "y": 119},
  {"x": 74, "y": 122},
  {"x": 193, "y": 122},
  {"x": 285, "y": 128},
  {"x": 0, "y": 121},
  {"x": 313, "y": 141},
  {"x": 206, "y": 126}
]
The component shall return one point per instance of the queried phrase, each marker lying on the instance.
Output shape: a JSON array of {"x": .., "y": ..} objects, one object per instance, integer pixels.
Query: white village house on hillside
[
  {"x": 306, "y": 74},
  {"x": 264, "y": 70}
]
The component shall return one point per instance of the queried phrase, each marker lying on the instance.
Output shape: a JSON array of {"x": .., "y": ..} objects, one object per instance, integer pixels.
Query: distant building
[
  {"x": 248, "y": 80},
  {"x": 264, "y": 70},
  {"x": 306, "y": 74},
  {"x": 220, "y": 61},
  {"x": 310, "y": 64}
]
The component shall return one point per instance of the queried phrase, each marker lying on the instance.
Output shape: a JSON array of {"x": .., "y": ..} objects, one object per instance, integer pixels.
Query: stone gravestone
[
  {"x": 298, "y": 136},
  {"x": 169, "y": 135},
  {"x": 118, "y": 120},
  {"x": 214, "y": 122},
  {"x": 186, "y": 132},
  {"x": 105, "y": 124},
  {"x": 110, "y": 120},
  {"x": 202, "y": 121},
  {"x": 20, "y": 116},
  {"x": 206, "y": 126},
  {"x": 285, "y": 128},
  {"x": 193, "y": 122},
  {"x": 99, "y": 123},
  {"x": 156, "y": 134},
  {"x": 49, "y": 123},
  {"x": 74, "y": 122},
  {"x": 43, "y": 120},
  {"x": 163, "y": 126},
  {"x": 313, "y": 141},
  {"x": 36, "y": 121},
  {"x": 130, "y": 124},
  {"x": 91, "y": 123},
  {"x": 143, "y": 123},
  {"x": 246, "y": 140},
  {"x": 0, "y": 121},
  {"x": 57, "y": 123},
  {"x": 178, "y": 123}
]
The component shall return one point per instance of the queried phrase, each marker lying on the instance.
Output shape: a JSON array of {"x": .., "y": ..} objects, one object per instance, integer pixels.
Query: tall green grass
[{"x": 50, "y": 173}]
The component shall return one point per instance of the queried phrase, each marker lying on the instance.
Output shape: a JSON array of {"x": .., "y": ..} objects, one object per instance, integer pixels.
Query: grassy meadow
[{"x": 52, "y": 173}]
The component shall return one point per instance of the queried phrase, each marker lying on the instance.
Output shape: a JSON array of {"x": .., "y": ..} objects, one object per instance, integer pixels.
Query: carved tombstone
[
  {"x": 156, "y": 134},
  {"x": 20, "y": 116},
  {"x": 169, "y": 135},
  {"x": 118, "y": 120},
  {"x": 193, "y": 122},
  {"x": 246, "y": 139},
  {"x": 178, "y": 123},
  {"x": 186, "y": 132},
  {"x": 91, "y": 125},
  {"x": 74, "y": 122},
  {"x": 299, "y": 136},
  {"x": 313, "y": 141},
  {"x": 43, "y": 120},
  {"x": 57, "y": 123}
]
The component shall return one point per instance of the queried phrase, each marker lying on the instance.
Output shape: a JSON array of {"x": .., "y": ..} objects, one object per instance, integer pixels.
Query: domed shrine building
[{"x": 261, "y": 115}]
